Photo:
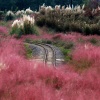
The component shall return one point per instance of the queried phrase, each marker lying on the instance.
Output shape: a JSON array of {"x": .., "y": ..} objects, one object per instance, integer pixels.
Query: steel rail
[{"x": 45, "y": 46}]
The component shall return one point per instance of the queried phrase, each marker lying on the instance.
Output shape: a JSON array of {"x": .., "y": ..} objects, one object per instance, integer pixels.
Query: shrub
[
  {"x": 75, "y": 26},
  {"x": 93, "y": 41},
  {"x": 1, "y": 15},
  {"x": 29, "y": 53},
  {"x": 9, "y": 16},
  {"x": 28, "y": 11},
  {"x": 87, "y": 29},
  {"x": 40, "y": 20},
  {"x": 20, "y": 13},
  {"x": 24, "y": 26},
  {"x": 68, "y": 19},
  {"x": 95, "y": 28}
]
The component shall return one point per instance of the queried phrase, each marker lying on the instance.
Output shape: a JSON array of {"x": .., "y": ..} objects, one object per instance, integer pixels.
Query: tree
[{"x": 34, "y": 4}]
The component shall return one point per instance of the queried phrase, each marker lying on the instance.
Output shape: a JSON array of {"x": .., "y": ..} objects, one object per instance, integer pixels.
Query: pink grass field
[{"x": 24, "y": 79}]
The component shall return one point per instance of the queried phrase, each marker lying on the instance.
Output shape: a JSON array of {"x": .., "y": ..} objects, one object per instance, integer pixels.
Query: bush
[
  {"x": 24, "y": 26},
  {"x": 28, "y": 11},
  {"x": 40, "y": 20},
  {"x": 9, "y": 16},
  {"x": 75, "y": 26},
  {"x": 1, "y": 15},
  {"x": 93, "y": 41},
  {"x": 20, "y": 13},
  {"x": 87, "y": 29},
  {"x": 95, "y": 28},
  {"x": 67, "y": 19}
]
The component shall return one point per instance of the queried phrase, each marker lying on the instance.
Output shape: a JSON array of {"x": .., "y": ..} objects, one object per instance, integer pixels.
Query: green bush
[
  {"x": 75, "y": 26},
  {"x": 93, "y": 41},
  {"x": 24, "y": 26},
  {"x": 64, "y": 21},
  {"x": 29, "y": 53},
  {"x": 9, "y": 16},
  {"x": 95, "y": 28},
  {"x": 1, "y": 15},
  {"x": 40, "y": 20},
  {"x": 87, "y": 29}
]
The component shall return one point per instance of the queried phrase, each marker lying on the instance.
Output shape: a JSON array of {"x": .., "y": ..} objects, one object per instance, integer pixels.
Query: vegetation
[
  {"x": 34, "y": 4},
  {"x": 23, "y": 26},
  {"x": 24, "y": 78},
  {"x": 65, "y": 46},
  {"x": 29, "y": 53},
  {"x": 9, "y": 16},
  {"x": 68, "y": 19}
]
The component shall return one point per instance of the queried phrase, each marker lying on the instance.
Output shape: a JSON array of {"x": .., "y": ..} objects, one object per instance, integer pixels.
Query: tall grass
[
  {"x": 65, "y": 19},
  {"x": 23, "y": 79}
]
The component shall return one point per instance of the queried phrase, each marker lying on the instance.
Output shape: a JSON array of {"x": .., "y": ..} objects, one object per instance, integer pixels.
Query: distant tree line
[{"x": 34, "y": 4}]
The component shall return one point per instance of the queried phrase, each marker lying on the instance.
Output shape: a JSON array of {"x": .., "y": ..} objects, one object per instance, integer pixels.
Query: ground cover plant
[{"x": 24, "y": 78}]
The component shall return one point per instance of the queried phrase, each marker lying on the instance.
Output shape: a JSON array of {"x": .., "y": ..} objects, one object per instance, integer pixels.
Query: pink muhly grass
[
  {"x": 23, "y": 79},
  {"x": 23, "y": 37},
  {"x": 23, "y": 82},
  {"x": 91, "y": 36},
  {"x": 3, "y": 30},
  {"x": 86, "y": 56},
  {"x": 83, "y": 87},
  {"x": 10, "y": 47},
  {"x": 46, "y": 36},
  {"x": 37, "y": 37},
  {"x": 70, "y": 37}
]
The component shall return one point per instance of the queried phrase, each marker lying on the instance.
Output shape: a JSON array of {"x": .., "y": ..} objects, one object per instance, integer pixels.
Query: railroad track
[
  {"x": 50, "y": 55},
  {"x": 47, "y": 53}
]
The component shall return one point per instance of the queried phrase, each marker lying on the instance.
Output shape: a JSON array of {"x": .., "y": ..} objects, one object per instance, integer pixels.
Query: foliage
[
  {"x": 20, "y": 13},
  {"x": 26, "y": 79},
  {"x": 28, "y": 11},
  {"x": 23, "y": 79},
  {"x": 24, "y": 26},
  {"x": 3, "y": 30},
  {"x": 29, "y": 53},
  {"x": 9, "y": 16},
  {"x": 65, "y": 46},
  {"x": 34, "y": 4},
  {"x": 1, "y": 15},
  {"x": 68, "y": 19}
]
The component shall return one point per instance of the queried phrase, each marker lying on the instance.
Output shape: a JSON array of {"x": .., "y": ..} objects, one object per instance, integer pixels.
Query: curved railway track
[
  {"x": 47, "y": 53},
  {"x": 50, "y": 55}
]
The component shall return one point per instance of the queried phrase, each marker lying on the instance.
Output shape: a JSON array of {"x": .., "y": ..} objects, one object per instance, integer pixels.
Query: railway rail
[{"x": 49, "y": 54}]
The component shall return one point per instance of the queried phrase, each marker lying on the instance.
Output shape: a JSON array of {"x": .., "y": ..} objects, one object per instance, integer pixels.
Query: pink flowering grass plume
[
  {"x": 46, "y": 36},
  {"x": 23, "y": 82},
  {"x": 24, "y": 79},
  {"x": 10, "y": 46},
  {"x": 86, "y": 56},
  {"x": 37, "y": 37},
  {"x": 3, "y": 32},
  {"x": 71, "y": 36}
]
